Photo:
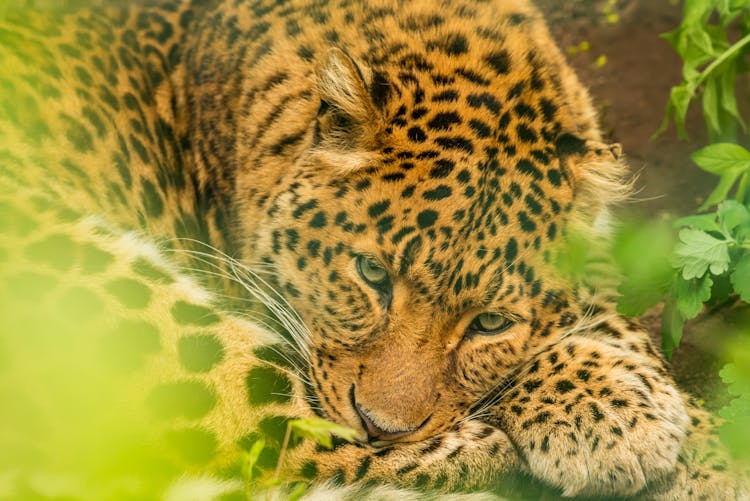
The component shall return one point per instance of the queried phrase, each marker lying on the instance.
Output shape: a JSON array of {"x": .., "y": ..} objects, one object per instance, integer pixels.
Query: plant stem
[
  {"x": 741, "y": 189},
  {"x": 248, "y": 490},
  {"x": 282, "y": 453},
  {"x": 722, "y": 57}
]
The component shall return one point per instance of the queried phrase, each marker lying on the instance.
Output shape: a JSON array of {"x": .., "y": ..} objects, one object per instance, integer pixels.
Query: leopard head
[{"x": 413, "y": 229}]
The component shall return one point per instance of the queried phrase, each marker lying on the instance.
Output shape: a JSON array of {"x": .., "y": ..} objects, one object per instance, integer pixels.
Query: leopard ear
[
  {"x": 599, "y": 175},
  {"x": 347, "y": 120},
  {"x": 569, "y": 145}
]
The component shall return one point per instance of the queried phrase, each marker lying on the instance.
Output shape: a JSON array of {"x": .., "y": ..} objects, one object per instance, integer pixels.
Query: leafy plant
[
  {"x": 737, "y": 413},
  {"x": 710, "y": 258},
  {"x": 318, "y": 430},
  {"x": 248, "y": 462},
  {"x": 711, "y": 63},
  {"x": 253, "y": 483}
]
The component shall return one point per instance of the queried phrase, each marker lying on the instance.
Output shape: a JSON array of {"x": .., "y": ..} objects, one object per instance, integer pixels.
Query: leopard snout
[{"x": 381, "y": 430}]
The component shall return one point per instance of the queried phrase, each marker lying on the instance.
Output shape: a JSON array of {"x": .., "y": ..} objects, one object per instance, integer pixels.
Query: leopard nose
[{"x": 376, "y": 433}]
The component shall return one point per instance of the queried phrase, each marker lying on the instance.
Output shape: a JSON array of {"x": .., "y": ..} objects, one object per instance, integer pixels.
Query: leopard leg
[{"x": 596, "y": 414}]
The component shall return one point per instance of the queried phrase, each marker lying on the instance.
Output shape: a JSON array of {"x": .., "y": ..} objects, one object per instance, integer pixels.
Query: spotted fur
[{"x": 269, "y": 147}]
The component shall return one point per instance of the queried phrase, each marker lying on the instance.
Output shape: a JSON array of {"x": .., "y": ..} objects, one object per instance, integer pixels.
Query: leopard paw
[{"x": 598, "y": 425}]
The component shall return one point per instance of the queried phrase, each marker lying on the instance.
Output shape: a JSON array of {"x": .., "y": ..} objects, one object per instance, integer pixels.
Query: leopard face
[{"x": 412, "y": 220}]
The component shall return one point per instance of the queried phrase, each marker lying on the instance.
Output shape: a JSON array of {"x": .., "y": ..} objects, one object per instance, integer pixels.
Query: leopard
[{"x": 219, "y": 216}]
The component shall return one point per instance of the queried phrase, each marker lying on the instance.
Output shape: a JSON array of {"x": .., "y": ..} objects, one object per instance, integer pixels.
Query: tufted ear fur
[
  {"x": 347, "y": 121},
  {"x": 599, "y": 177}
]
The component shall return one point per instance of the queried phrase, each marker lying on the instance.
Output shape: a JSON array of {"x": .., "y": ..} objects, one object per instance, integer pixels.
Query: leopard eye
[
  {"x": 371, "y": 272},
  {"x": 488, "y": 324}
]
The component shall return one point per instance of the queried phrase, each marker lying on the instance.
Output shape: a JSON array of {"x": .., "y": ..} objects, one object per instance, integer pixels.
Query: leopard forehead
[
  {"x": 448, "y": 179},
  {"x": 435, "y": 220}
]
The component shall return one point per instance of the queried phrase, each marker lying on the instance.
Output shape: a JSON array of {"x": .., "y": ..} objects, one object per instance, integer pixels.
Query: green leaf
[
  {"x": 738, "y": 408},
  {"x": 733, "y": 432},
  {"x": 677, "y": 106},
  {"x": 320, "y": 431},
  {"x": 255, "y": 450},
  {"x": 698, "y": 251},
  {"x": 679, "y": 100},
  {"x": 298, "y": 491},
  {"x": 721, "y": 191},
  {"x": 572, "y": 256},
  {"x": 691, "y": 75},
  {"x": 635, "y": 298},
  {"x": 719, "y": 41},
  {"x": 733, "y": 214},
  {"x": 727, "y": 160},
  {"x": 721, "y": 290},
  {"x": 740, "y": 278},
  {"x": 250, "y": 459},
  {"x": 728, "y": 100},
  {"x": 737, "y": 414},
  {"x": 699, "y": 39},
  {"x": 689, "y": 295},
  {"x": 736, "y": 379},
  {"x": 705, "y": 222},
  {"x": 729, "y": 10},
  {"x": 711, "y": 105},
  {"x": 641, "y": 252},
  {"x": 674, "y": 38},
  {"x": 694, "y": 11},
  {"x": 722, "y": 158},
  {"x": 671, "y": 328}
]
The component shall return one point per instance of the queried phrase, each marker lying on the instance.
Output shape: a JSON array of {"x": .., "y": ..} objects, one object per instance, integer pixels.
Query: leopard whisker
[
  {"x": 234, "y": 264},
  {"x": 249, "y": 280},
  {"x": 299, "y": 372},
  {"x": 296, "y": 329}
]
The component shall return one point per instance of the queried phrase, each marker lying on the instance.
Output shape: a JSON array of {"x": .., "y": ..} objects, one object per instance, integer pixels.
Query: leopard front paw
[{"x": 591, "y": 432}]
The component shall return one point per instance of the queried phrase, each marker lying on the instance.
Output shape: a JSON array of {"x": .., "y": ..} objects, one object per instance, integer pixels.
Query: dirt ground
[{"x": 631, "y": 90}]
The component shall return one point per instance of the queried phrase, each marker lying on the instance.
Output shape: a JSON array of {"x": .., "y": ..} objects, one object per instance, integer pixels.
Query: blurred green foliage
[
  {"x": 711, "y": 63},
  {"x": 708, "y": 260},
  {"x": 75, "y": 423},
  {"x": 66, "y": 432}
]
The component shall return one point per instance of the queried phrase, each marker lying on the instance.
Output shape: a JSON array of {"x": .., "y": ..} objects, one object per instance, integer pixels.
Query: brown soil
[{"x": 631, "y": 91}]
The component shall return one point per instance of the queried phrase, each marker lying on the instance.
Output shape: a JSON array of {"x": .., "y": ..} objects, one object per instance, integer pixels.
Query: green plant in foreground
[
  {"x": 710, "y": 260},
  {"x": 711, "y": 256},
  {"x": 737, "y": 377},
  {"x": 713, "y": 253},
  {"x": 710, "y": 63},
  {"x": 318, "y": 430}
]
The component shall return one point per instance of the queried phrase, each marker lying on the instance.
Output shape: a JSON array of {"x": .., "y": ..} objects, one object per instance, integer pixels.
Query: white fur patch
[{"x": 206, "y": 488}]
